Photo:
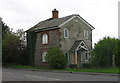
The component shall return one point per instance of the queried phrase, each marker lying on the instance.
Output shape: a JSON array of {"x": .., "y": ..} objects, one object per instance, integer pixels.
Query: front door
[{"x": 76, "y": 58}]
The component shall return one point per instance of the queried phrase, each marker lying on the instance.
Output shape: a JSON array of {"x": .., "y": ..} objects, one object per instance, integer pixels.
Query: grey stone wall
[{"x": 76, "y": 32}]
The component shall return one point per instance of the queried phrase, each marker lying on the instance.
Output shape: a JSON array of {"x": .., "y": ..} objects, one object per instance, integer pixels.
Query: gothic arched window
[
  {"x": 44, "y": 39},
  {"x": 66, "y": 33}
]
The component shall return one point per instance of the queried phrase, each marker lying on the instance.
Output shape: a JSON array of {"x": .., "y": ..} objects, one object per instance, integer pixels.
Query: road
[{"x": 27, "y": 75}]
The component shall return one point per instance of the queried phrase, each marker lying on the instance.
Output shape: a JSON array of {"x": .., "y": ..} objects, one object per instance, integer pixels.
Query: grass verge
[{"x": 97, "y": 70}]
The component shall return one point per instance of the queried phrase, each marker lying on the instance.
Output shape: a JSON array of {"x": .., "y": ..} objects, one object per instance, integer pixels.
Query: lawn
[{"x": 98, "y": 70}]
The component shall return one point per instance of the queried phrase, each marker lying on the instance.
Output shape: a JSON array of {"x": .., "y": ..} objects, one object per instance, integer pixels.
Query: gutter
[{"x": 44, "y": 29}]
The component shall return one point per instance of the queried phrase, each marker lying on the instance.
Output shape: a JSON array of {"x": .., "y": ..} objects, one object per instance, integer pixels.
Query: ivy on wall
[{"x": 31, "y": 43}]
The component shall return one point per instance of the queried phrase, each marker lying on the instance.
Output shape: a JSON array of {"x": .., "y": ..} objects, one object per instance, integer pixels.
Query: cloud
[{"x": 102, "y": 14}]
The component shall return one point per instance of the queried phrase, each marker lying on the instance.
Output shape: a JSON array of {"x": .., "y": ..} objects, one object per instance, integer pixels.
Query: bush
[
  {"x": 55, "y": 58},
  {"x": 102, "y": 55}
]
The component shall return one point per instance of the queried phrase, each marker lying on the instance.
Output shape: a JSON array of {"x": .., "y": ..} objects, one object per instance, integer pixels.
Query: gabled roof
[
  {"x": 57, "y": 23},
  {"x": 52, "y": 22},
  {"x": 77, "y": 44}
]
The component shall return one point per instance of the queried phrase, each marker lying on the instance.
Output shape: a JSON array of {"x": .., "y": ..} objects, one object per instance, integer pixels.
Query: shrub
[
  {"x": 102, "y": 55},
  {"x": 55, "y": 58}
]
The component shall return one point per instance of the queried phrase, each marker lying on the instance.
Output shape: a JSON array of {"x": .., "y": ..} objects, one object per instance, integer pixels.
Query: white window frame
[
  {"x": 43, "y": 56},
  {"x": 44, "y": 39},
  {"x": 86, "y": 58},
  {"x": 66, "y": 33},
  {"x": 85, "y": 34}
]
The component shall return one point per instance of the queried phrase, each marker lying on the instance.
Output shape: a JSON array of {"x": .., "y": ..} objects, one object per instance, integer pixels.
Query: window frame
[
  {"x": 85, "y": 34},
  {"x": 45, "y": 39},
  {"x": 43, "y": 56},
  {"x": 66, "y": 33},
  {"x": 67, "y": 56},
  {"x": 86, "y": 56}
]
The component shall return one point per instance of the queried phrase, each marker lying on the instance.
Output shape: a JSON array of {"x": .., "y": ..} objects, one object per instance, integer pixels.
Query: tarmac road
[{"x": 27, "y": 75}]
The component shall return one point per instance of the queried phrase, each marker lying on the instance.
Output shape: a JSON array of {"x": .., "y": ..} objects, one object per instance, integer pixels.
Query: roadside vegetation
[
  {"x": 96, "y": 70},
  {"x": 13, "y": 46},
  {"x": 106, "y": 53},
  {"x": 56, "y": 59}
]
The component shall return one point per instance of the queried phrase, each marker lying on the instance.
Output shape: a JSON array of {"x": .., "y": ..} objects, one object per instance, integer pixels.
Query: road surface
[{"x": 27, "y": 75}]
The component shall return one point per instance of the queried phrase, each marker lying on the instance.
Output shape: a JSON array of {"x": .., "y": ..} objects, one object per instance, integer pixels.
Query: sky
[
  {"x": 119, "y": 20},
  {"x": 23, "y": 14}
]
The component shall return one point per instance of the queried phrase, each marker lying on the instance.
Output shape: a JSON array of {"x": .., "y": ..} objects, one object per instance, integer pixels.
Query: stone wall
[{"x": 76, "y": 32}]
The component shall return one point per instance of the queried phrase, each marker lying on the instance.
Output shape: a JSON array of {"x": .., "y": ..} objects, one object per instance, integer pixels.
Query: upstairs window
[
  {"x": 85, "y": 34},
  {"x": 66, "y": 33},
  {"x": 43, "y": 56},
  {"x": 44, "y": 39}
]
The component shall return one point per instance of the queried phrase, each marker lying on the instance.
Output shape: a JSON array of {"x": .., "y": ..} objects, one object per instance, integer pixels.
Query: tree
[
  {"x": 117, "y": 57},
  {"x": 14, "y": 49},
  {"x": 23, "y": 56},
  {"x": 22, "y": 36},
  {"x": 5, "y": 29},
  {"x": 55, "y": 58},
  {"x": 10, "y": 48},
  {"x": 104, "y": 51}
]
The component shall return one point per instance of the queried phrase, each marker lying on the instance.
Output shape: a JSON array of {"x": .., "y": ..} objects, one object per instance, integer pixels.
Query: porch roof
[{"x": 76, "y": 44}]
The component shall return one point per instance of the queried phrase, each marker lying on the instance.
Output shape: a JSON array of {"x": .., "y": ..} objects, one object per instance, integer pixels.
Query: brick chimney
[{"x": 54, "y": 14}]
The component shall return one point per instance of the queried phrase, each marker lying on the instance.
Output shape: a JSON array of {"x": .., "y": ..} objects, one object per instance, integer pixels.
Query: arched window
[
  {"x": 45, "y": 39},
  {"x": 43, "y": 56},
  {"x": 66, "y": 33}
]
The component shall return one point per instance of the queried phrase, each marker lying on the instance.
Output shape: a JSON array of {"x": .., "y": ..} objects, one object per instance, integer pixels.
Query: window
[
  {"x": 86, "y": 56},
  {"x": 43, "y": 56},
  {"x": 45, "y": 39},
  {"x": 66, "y": 33},
  {"x": 86, "y": 34},
  {"x": 66, "y": 55}
]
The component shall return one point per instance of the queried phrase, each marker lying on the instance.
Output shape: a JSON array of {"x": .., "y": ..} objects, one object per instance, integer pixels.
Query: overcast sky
[{"x": 23, "y": 14}]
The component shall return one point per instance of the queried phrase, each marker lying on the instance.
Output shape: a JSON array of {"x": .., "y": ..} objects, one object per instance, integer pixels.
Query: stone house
[{"x": 72, "y": 34}]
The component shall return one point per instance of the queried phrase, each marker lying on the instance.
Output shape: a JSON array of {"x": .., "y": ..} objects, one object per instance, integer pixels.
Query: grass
[
  {"x": 98, "y": 70},
  {"x": 24, "y": 67}
]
